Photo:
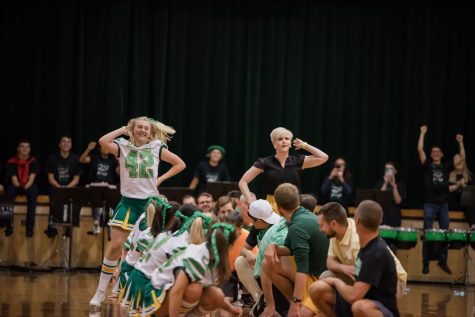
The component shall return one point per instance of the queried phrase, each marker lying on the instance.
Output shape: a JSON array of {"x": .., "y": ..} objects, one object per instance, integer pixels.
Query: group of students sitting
[{"x": 182, "y": 260}]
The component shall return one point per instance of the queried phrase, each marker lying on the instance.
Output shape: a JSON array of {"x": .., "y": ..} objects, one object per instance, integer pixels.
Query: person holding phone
[
  {"x": 337, "y": 187},
  {"x": 281, "y": 167},
  {"x": 389, "y": 183}
]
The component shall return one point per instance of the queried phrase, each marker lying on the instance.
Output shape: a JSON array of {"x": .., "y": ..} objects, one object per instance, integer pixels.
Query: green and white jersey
[
  {"x": 194, "y": 260},
  {"x": 139, "y": 168},
  {"x": 128, "y": 241},
  {"x": 160, "y": 252},
  {"x": 145, "y": 240},
  {"x": 133, "y": 254}
]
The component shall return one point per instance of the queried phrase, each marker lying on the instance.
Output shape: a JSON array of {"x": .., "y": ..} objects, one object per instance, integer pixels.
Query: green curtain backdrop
[{"x": 354, "y": 78}]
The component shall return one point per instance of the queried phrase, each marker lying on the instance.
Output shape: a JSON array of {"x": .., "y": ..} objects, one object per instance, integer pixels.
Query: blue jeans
[{"x": 430, "y": 211}]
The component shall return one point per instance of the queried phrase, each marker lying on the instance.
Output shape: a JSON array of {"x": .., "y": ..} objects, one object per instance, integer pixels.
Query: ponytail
[
  {"x": 151, "y": 213},
  {"x": 222, "y": 237},
  {"x": 160, "y": 214},
  {"x": 196, "y": 232}
]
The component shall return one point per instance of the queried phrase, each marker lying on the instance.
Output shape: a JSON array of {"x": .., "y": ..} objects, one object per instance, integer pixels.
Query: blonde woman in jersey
[
  {"x": 138, "y": 160},
  {"x": 177, "y": 286},
  {"x": 193, "y": 231}
]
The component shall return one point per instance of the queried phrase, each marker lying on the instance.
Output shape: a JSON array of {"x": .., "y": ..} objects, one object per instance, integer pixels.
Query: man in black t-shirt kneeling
[{"x": 374, "y": 291}]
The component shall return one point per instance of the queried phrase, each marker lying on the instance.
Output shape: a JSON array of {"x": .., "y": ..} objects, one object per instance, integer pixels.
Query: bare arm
[
  {"x": 459, "y": 139},
  {"x": 246, "y": 252},
  {"x": 176, "y": 294},
  {"x": 397, "y": 197},
  {"x": 52, "y": 181},
  {"x": 246, "y": 179},
  {"x": 420, "y": 145},
  {"x": 456, "y": 186},
  {"x": 85, "y": 158},
  {"x": 230, "y": 308},
  {"x": 15, "y": 181},
  {"x": 316, "y": 158},
  {"x": 350, "y": 293},
  {"x": 336, "y": 266},
  {"x": 107, "y": 141},
  {"x": 31, "y": 180},
  {"x": 177, "y": 165},
  {"x": 194, "y": 183},
  {"x": 74, "y": 182}
]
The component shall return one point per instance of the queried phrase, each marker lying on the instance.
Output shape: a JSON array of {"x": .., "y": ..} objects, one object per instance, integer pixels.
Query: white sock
[
  {"x": 108, "y": 268},
  {"x": 186, "y": 307},
  {"x": 198, "y": 311}
]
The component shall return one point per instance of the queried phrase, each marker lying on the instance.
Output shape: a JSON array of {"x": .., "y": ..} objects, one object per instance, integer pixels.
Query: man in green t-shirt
[{"x": 308, "y": 246}]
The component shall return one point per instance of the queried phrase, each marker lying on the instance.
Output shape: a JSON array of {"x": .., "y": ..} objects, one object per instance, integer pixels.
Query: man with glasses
[{"x": 205, "y": 202}]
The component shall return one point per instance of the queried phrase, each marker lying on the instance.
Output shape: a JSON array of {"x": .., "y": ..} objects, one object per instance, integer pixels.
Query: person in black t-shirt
[
  {"x": 458, "y": 179},
  {"x": 103, "y": 166},
  {"x": 337, "y": 187},
  {"x": 212, "y": 170},
  {"x": 389, "y": 183},
  {"x": 103, "y": 169},
  {"x": 281, "y": 167},
  {"x": 374, "y": 291},
  {"x": 21, "y": 171},
  {"x": 437, "y": 191},
  {"x": 63, "y": 172}
]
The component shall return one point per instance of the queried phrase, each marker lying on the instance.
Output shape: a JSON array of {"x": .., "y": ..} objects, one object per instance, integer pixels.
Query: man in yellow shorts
[{"x": 292, "y": 268}]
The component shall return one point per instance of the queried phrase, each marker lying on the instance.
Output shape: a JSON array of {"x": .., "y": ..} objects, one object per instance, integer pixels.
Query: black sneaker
[
  {"x": 425, "y": 269},
  {"x": 29, "y": 233},
  {"x": 258, "y": 307},
  {"x": 246, "y": 300},
  {"x": 445, "y": 268},
  {"x": 8, "y": 231}
]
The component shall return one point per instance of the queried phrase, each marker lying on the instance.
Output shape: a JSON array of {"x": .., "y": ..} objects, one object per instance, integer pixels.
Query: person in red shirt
[{"x": 21, "y": 171}]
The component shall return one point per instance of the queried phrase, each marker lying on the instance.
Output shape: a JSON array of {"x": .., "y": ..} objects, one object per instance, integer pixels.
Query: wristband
[{"x": 296, "y": 299}]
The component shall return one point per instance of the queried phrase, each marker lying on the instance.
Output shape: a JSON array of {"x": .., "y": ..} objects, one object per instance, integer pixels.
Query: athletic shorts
[
  {"x": 306, "y": 300},
  {"x": 127, "y": 212},
  {"x": 271, "y": 200}
]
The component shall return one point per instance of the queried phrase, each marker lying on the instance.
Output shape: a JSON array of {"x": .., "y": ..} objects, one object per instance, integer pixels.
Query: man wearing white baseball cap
[
  {"x": 248, "y": 267},
  {"x": 261, "y": 211}
]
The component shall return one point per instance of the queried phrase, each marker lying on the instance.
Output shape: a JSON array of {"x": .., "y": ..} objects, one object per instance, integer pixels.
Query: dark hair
[
  {"x": 187, "y": 196},
  {"x": 235, "y": 219},
  {"x": 334, "y": 211},
  {"x": 66, "y": 135},
  {"x": 287, "y": 196},
  {"x": 223, "y": 200},
  {"x": 370, "y": 214},
  {"x": 308, "y": 201},
  {"x": 24, "y": 140},
  {"x": 224, "y": 271},
  {"x": 186, "y": 210},
  {"x": 347, "y": 171},
  {"x": 234, "y": 194},
  {"x": 157, "y": 222},
  {"x": 391, "y": 163}
]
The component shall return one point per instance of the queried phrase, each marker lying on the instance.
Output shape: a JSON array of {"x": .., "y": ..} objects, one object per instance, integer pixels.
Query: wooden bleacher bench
[
  {"x": 41, "y": 200},
  {"x": 419, "y": 214}
]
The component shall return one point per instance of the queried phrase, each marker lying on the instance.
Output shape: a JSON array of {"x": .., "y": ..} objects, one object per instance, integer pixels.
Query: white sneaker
[
  {"x": 97, "y": 299},
  {"x": 96, "y": 230}
]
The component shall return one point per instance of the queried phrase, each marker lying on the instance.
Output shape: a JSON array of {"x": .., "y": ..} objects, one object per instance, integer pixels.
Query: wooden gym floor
[{"x": 62, "y": 294}]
